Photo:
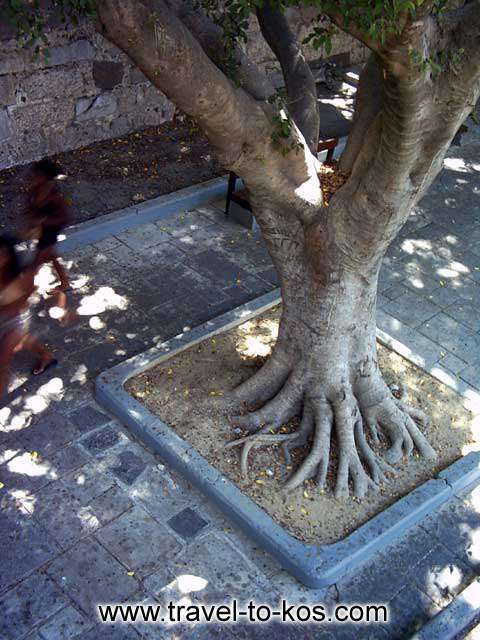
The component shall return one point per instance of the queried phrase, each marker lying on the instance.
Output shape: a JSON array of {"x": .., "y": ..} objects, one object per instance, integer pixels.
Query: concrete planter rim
[{"x": 314, "y": 565}]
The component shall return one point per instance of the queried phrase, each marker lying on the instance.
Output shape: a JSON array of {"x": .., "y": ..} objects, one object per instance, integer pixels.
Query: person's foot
[
  {"x": 69, "y": 317},
  {"x": 61, "y": 288},
  {"x": 47, "y": 361}
]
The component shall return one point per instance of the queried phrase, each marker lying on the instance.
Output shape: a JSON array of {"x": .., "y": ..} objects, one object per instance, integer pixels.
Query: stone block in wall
[
  {"x": 19, "y": 147},
  {"x": 92, "y": 108},
  {"x": 107, "y": 74},
  {"x": 48, "y": 84},
  {"x": 127, "y": 98},
  {"x": 72, "y": 52},
  {"x": 41, "y": 116},
  {"x": 12, "y": 62},
  {"x": 120, "y": 126},
  {"x": 7, "y": 90},
  {"x": 136, "y": 76},
  {"x": 6, "y": 128}
]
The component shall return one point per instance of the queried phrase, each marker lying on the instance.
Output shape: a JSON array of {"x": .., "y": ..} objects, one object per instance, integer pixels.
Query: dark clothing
[
  {"x": 49, "y": 237},
  {"x": 46, "y": 206}
]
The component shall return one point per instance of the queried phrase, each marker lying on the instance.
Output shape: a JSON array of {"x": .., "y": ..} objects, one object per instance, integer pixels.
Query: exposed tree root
[
  {"x": 277, "y": 411},
  {"x": 260, "y": 387},
  {"x": 258, "y": 439},
  {"x": 344, "y": 415}
]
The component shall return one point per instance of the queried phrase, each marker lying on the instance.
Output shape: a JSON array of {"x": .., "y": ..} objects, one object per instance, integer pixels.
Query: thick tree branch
[
  {"x": 238, "y": 127},
  {"x": 299, "y": 80},
  {"x": 168, "y": 54},
  {"x": 368, "y": 103},
  {"x": 210, "y": 36},
  {"x": 350, "y": 27}
]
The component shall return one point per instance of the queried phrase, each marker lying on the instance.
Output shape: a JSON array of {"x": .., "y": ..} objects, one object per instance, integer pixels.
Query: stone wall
[{"x": 86, "y": 90}]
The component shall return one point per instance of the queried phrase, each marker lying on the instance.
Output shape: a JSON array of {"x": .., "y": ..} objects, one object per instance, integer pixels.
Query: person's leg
[
  {"x": 62, "y": 274},
  {"x": 48, "y": 254},
  {"x": 33, "y": 344},
  {"x": 64, "y": 314},
  {"x": 8, "y": 347}
]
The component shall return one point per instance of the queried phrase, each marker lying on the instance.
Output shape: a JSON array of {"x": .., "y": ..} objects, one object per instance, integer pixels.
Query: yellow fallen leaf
[
  {"x": 186, "y": 392},
  {"x": 130, "y": 573},
  {"x": 306, "y": 494},
  {"x": 290, "y": 507},
  {"x": 34, "y": 455},
  {"x": 260, "y": 481},
  {"x": 304, "y": 511},
  {"x": 169, "y": 372},
  {"x": 1, "y": 485}
]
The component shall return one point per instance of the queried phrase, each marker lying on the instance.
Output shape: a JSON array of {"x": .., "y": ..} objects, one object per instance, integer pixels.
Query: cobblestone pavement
[{"x": 88, "y": 515}]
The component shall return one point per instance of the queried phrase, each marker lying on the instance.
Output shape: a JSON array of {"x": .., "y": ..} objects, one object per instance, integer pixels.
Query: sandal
[{"x": 37, "y": 371}]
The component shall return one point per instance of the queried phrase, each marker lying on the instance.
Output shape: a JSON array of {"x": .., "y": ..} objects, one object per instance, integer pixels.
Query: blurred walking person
[
  {"x": 16, "y": 287},
  {"x": 47, "y": 216}
]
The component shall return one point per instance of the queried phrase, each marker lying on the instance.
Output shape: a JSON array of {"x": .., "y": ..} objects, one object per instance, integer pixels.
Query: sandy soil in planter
[{"x": 186, "y": 391}]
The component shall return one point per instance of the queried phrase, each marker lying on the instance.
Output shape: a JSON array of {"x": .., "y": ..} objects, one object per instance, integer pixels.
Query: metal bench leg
[
  {"x": 232, "y": 180},
  {"x": 330, "y": 153}
]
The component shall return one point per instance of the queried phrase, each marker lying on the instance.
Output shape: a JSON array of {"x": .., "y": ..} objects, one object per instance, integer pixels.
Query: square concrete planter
[{"x": 313, "y": 565}]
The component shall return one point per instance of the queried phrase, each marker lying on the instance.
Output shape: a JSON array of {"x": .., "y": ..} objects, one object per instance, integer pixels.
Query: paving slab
[
  {"x": 90, "y": 575},
  {"x": 453, "y": 621},
  {"x": 109, "y": 505},
  {"x": 222, "y": 571},
  {"x": 457, "y": 525},
  {"x": 410, "y": 609},
  {"x": 62, "y": 515},
  {"x": 67, "y": 624},
  {"x": 138, "y": 541},
  {"x": 88, "y": 417},
  {"x": 457, "y": 338},
  {"x": 88, "y": 482},
  {"x": 29, "y": 604},
  {"x": 441, "y": 575},
  {"x": 101, "y": 439},
  {"x": 26, "y": 545}
]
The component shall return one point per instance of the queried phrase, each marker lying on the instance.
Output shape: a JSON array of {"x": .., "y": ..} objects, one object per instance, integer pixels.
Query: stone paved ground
[{"x": 88, "y": 515}]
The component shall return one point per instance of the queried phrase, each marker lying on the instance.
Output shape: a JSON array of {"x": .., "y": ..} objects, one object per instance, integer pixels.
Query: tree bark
[
  {"x": 299, "y": 81},
  {"x": 324, "y": 365},
  {"x": 324, "y": 368}
]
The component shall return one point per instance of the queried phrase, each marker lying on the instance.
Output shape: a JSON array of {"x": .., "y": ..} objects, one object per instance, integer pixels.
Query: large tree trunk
[
  {"x": 324, "y": 366},
  {"x": 324, "y": 369}
]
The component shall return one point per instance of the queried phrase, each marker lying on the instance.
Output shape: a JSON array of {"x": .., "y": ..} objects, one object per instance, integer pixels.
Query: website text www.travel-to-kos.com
[{"x": 233, "y": 612}]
